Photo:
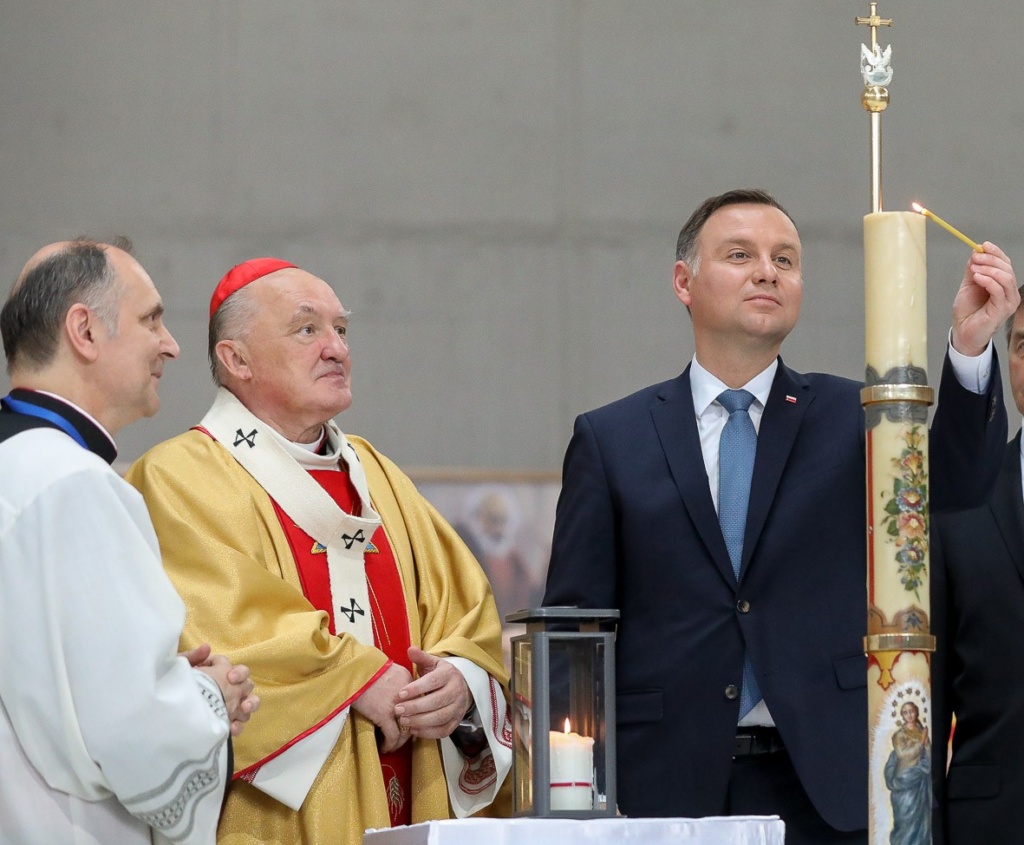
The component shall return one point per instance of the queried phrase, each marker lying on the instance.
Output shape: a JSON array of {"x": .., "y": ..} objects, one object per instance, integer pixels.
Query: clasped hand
[
  {"x": 235, "y": 684},
  {"x": 429, "y": 707}
]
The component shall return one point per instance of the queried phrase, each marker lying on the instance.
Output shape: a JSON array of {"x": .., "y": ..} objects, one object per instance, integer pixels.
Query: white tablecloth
[{"x": 735, "y": 830}]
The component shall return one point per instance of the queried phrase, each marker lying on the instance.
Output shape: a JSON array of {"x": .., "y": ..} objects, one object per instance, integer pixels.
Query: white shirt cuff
[{"x": 973, "y": 373}]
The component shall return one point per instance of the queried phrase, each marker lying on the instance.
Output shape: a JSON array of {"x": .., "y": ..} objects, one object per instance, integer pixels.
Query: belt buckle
[
  {"x": 751, "y": 742},
  {"x": 743, "y": 746}
]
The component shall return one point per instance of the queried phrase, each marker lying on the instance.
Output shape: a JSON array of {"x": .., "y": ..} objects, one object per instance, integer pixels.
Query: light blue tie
[{"x": 736, "y": 452}]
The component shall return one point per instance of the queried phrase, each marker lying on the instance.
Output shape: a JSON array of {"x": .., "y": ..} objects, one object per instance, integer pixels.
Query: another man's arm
[
  {"x": 969, "y": 430},
  {"x": 940, "y": 666}
]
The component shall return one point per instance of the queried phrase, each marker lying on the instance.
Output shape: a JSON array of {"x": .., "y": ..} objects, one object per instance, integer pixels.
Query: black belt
[{"x": 757, "y": 740}]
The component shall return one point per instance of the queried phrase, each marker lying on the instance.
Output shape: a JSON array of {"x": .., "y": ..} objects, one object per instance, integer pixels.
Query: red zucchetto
[{"x": 243, "y": 274}]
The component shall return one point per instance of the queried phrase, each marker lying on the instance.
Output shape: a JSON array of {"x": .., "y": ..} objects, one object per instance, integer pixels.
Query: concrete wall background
[{"x": 495, "y": 188}]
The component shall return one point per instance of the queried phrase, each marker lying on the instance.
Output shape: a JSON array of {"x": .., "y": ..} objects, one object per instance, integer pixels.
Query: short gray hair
[{"x": 231, "y": 321}]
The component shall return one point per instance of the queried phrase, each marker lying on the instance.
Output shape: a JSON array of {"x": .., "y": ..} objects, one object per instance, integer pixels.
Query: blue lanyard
[{"x": 30, "y": 410}]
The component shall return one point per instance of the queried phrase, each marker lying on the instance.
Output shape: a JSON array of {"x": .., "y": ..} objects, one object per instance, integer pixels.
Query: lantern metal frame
[{"x": 571, "y": 625}]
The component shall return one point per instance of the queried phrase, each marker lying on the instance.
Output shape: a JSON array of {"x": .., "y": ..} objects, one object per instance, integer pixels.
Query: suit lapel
[
  {"x": 1007, "y": 504},
  {"x": 776, "y": 435},
  {"x": 676, "y": 424}
]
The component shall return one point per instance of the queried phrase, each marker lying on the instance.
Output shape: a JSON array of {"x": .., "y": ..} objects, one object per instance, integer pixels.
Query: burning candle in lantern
[{"x": 572, "y": 770}]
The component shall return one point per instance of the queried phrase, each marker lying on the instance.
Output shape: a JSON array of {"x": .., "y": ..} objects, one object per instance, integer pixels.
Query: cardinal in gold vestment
[{"x": 369, "y": 628}]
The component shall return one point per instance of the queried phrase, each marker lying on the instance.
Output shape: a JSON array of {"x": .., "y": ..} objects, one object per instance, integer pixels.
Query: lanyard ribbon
[{"x": 29, "y": 410}]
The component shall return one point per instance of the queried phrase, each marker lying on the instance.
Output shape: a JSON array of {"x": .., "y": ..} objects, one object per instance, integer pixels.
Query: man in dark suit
[
  {"x": 978, "y": 604},
  {"x": 637, "y": 529}
]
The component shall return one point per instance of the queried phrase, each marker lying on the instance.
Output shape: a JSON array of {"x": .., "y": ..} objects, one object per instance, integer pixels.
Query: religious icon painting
[{"x": 901, "y": 812}]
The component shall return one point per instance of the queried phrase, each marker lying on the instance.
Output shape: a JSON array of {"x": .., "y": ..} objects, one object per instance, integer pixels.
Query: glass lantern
[{"x": 563, "y": 713}]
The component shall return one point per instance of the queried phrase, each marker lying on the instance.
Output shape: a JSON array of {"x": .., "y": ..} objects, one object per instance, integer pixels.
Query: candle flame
[
  {"x": 920, "y": 209},
  {"x": 568, "y": 727}
]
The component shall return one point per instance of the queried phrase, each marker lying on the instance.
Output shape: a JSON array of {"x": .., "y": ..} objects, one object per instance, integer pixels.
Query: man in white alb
[{"x": 107, "y": 734}]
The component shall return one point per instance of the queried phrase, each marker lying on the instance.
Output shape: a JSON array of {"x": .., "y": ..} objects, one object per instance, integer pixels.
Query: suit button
[
  {"x": 732, "y": 691},
  {"x": 743, "y": 606}
]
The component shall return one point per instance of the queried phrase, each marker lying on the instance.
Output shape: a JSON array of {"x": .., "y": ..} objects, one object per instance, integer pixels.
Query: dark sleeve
[
  {"x": 967, "y": 441},
  {"x": 941, "y": 711},
  {"x": 582, "y": 571}
]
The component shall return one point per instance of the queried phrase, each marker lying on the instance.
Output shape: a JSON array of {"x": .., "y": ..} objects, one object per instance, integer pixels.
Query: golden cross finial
[{"x": 874, "y": 21}]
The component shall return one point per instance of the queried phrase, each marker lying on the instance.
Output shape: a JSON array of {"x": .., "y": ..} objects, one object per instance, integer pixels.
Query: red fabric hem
[{"x": 249, "y": 771}]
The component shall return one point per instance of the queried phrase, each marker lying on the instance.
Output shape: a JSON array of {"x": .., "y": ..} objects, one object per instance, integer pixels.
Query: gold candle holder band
[
  {"x": 885, "y": 393},
  {"x": 874, "y": 643}
]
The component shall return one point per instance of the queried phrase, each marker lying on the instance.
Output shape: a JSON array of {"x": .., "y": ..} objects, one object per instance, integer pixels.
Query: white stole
[
  {"x": 258, "y": 448},
  {"x": 255, "y": 446}
]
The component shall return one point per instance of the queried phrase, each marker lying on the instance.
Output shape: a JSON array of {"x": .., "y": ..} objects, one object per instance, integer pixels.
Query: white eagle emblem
[{"x": 875, "y": 65}]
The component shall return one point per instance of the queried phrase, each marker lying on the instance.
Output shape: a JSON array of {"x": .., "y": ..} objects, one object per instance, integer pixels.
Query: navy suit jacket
[
  {"x": 636, "y": 529},
  {"x": 978, "y": 605}
]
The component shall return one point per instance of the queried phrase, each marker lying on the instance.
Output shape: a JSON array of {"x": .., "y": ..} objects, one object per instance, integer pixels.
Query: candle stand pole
[{"x": 896, "y": 397}]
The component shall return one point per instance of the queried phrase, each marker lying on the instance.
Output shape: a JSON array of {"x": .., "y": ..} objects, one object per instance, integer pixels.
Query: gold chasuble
[{"x": 227, "y": 554}]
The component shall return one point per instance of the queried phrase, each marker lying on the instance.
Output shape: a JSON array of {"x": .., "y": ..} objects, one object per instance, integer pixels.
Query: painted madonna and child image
[{"x": 908, "y": 771}]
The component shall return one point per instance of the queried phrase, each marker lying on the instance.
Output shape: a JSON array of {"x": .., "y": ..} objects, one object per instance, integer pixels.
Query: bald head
[
  {"x": 56, "y": 278},
  {"x": 41, "y": 255}
]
